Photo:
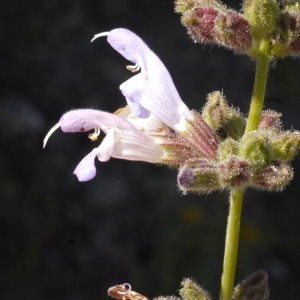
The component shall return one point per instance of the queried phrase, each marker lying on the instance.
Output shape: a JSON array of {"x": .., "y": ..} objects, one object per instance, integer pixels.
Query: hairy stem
[
  {"x": 236, "y": 196},
  {"x": 231, "y": 243},
  {"x": 258, "y": 95}
]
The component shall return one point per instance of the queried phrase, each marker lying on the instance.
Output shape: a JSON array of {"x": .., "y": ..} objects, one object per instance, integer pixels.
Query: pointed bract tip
[
  {"x": 106, "y": 33},
  {"x": 50, "y": 132}
]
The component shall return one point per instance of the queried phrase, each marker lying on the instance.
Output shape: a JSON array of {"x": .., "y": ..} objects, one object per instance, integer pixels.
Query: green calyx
[
  {"x": 183, "y": 6},
  {"x": 291, "y": 5},
  {"x": 192, "y": 291},
  {"x": 255, "y": 149},
  {"x": 227, "y": 148},
  {"x": 262, "y": 16},
  {"x": 227, "y": 122},
  {"x": 201, "y": 176},
  {"x": 285, "y": 146}
]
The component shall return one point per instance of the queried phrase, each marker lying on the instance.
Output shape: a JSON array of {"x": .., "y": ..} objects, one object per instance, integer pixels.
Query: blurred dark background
[{"x": 62, "y": 239}]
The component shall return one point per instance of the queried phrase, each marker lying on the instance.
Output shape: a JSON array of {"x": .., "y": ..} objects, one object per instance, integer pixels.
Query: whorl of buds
[
  {"x": 263, "y": 27},
  {"x": 258, "y": 159},
  {"x": 210, "y": 22}
]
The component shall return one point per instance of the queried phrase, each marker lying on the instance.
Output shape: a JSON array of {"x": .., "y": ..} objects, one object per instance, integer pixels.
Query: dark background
[{"x": 62, "y": 239}]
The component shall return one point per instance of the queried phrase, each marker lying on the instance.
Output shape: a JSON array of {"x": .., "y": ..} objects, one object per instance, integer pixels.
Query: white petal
[{"x": 130, "y": 145}]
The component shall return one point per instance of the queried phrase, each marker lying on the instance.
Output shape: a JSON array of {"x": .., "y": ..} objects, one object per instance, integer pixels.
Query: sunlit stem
[
  {"x": 231, "y": 243},
  {"x": 236, "y": 195},
  {"x": 50, "y": 132},
  {"x": 259, "y": 89}
]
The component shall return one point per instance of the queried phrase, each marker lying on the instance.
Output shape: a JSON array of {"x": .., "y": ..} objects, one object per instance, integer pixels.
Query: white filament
[
  {"x": 94, "y": 136},
  {"x": 134, "y": 68},
  {"x": 99, "y": 35},
  {"x": 50, "y": 132}
]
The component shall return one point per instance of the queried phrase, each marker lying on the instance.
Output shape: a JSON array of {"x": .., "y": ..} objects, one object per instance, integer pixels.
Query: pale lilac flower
[
  {"x": 122, "y": 140},
  {"x": 152, "y": 90},
  {"x": 155, "y": 127}
]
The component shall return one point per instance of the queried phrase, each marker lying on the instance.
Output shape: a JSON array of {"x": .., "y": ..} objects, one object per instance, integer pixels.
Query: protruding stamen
[
  {"x": 134, "y": 68},
  {"x": 94, "y": 136},
  {"x": 124, "y": 287},
  {"x": 99, "y": 35},
  {"x": 50, "y": 132}
]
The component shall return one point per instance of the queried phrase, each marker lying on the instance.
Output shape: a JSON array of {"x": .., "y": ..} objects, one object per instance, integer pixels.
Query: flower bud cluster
[
  {"x": 209, "y": 21},
  {"x": 220, "y": 156},
  {"x": 272, "y": 21}
]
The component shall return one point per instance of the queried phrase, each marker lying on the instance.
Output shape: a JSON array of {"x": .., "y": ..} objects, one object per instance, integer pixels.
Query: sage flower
[{"x": 149, "y": 128}]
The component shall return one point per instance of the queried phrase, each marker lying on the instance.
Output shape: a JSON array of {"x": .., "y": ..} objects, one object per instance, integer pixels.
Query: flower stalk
[
  {"x": 231, "y": 243},
  {"x": 257, "y": 100},
  {"x": 236, "y": 195}
]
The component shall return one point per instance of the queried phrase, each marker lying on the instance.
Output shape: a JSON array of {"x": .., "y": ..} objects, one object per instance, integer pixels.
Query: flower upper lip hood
[{"x": 152, "y": 90}]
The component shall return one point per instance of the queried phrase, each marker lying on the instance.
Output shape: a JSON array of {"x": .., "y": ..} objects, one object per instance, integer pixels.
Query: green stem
[
  {"x": 236, "y": 196},
  {"x": 259, "y": 89},
  {"x": 231, "y": 243}
]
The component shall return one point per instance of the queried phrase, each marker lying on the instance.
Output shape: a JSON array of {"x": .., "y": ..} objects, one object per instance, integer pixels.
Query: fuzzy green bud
[
  {"x": 182, "y": 6},
  {"x": 224, "y": 120},
  {"x": 255, "y": 148},
  {"x": 227, "y": 148},
  {"x": 285, "y": 146},
  {"x": 215, "y": 110},
  {"x": 262, "y": 16},
  {"x": 235, "y": 124},
  {"x": 192, "y": 291},
  {"x": 291, "y": 5},
  {"x": 254, "y": 287},
  {"x": 201, "y": 176}
]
